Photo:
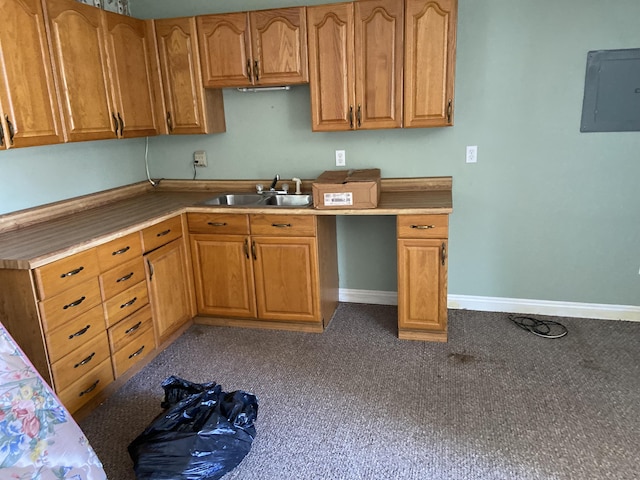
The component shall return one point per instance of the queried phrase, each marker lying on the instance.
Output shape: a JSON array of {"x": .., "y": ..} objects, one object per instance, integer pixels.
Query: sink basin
[{"x": 261, "y": 200}]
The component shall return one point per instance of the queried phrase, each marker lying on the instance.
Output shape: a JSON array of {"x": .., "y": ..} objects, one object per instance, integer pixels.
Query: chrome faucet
[{"x": 275, "y": 181}]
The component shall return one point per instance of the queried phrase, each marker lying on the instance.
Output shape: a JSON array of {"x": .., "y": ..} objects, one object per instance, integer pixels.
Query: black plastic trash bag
[{"x": 204, "y": 434}]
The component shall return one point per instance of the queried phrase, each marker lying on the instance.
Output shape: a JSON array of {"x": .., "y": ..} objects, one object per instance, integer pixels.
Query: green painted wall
[{"x": 547, "y": 213}]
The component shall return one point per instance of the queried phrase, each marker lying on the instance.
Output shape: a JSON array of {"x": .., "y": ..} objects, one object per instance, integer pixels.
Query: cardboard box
[{"x": 347, "y": 189}]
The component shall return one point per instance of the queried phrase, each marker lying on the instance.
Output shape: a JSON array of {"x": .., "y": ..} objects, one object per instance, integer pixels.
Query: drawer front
[
  {"x": 284, "y": 225},
  {"x": 75, "y": 333},
  {"x": 73, "y": 270},
  {"x": 125, "y": 303},
  {"x": 58, "y": 310},
  {"x": 119, "y": 251},
  {"x": 161, "y": 233},
  {"x": 134, "y": 351},
  {"x": 87, "y": 387},
  {"x": 121, "y": 277},
  {"x": 130, "y": 329},
  {"x": 423, "y": 226},
  {"x": 225, "y": 223},
  {"x": 85, "y": 358}
]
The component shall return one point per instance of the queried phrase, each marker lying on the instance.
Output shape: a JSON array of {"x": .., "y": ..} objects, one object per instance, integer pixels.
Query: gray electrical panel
[{"x": 612, "y": 91}]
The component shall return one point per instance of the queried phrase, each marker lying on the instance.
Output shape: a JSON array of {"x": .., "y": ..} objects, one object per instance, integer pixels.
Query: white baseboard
[{"x": 510, "y": 305}]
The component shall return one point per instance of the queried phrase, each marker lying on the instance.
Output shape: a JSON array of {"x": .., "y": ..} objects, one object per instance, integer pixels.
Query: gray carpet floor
[{"x": 495, "y": 402}]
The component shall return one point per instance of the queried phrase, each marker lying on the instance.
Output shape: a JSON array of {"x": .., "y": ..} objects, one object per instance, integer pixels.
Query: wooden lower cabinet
[
  {"x": 169, "y": 288},
  {"x": 269, "y": 273},
  {"x": 422, "y": 277}
]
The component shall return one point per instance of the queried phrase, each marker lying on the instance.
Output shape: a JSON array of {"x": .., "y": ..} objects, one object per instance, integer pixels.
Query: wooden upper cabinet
[
  {"x": 331, "y": 66},
  {"x": 355, "y": 63},
  {"x": 131, "y": 65},
  {"x": 28, "y": 100},
  {"x": 429, "y": 62},
  {"x": 79, "y": 55},
  {"x": 267, "y": 47},
  {"x": 188, "y": 108}
]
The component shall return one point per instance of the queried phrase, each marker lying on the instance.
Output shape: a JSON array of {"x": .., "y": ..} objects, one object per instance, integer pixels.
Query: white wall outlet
[
  {"x": 341, "y": 158},
  {"x": 200, "y": 158},
  {"x": 472, "y": 154}
]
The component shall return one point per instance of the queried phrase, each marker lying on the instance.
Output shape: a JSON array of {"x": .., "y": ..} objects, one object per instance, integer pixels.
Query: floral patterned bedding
[{"x": 39, "y": 439}]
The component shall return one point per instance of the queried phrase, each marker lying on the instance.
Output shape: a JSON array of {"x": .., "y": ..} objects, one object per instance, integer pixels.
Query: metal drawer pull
[
  {"x": 121, "y": 251},
  {"x": 80, "y": 332},
  {"x": 72, "y": 272},
  {"x": 246, "y": 247},
  {"x": 129, "y": 303},
  {"x": 423, "y": 227},
  {"x": 134, "y": 328},
  {"x": 281, "y": 225},
  {"x": 253, "y": 250},
  {"x": 125, "y": 278},
  {"x": 90, "y": 389},
  {"x": 217, "y": 224},
  {"x": 74, "y": 304},
  {"x": 162, "y": 234},
  {"x": 135, "y": 354},
  {"x": 85, "y": 361}
]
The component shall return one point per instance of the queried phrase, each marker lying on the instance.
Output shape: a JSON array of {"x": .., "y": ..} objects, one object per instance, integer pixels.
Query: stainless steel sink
[{"x": 261, "y": 200}]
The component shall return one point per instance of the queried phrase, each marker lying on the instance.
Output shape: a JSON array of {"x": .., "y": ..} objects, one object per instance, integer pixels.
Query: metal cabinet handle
[
  {"x": 217, "y": 224},
  {"x": 10, "y": 127},
  {"x": 163, "y": 233},
  {"x": 121, "y": 122},
  {"x": 444, "y": 253},
  {"x": 449, "y": 111},
  {"x": 423, "y": 227},
  {"x": 80, "y": 332},
  {"x": 256, "y": 71},
  {"x": 150, "y": 265},
  {"x": 133, "y": 329},
  {"x": 85, "y": 361},
  {"x": 115, "y": 123},
  {"x": 136, "y": 353},
  {"x": 249, "y": 71},
  {"x": 253, "y": 250},
  {"x": 246, "y": 247},
  {"x": 125, "y": 278},
  {"x": 121, "y": 251},
  {"x": 169, "y": 122},
  {"x": 90, "y": 389},
  {"x": 350, "y": 116},
  {"x": 72, "y": 272},
  {"x": 281, "y": 225},
  {"x": 74, "y": 304},
  {"x": 129, "y": 303},
  {"x": 359, "y": 115},
  {"x": 1, "y": 135}
]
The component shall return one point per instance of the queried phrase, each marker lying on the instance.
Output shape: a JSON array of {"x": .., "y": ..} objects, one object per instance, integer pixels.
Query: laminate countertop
[{"x": 34, "y": 237}]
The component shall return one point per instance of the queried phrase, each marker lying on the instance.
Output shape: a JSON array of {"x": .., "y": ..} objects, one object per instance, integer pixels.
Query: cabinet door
[
  {"x": 225, "y": 50},
  {"x": 286, "y": 278},
  {"x": 223, "y": 272},
  {"x": 379, "y": 27},
  {"x": 182, "y": 77},
  {"x": 279, "y": 46},
  {"x": 79, "y": 55},
  {"x": 169, "y": 289},
  {"x": 130, "y": 67},
  {"x": 28, "y": 101},
  {"x": 429, "y": 62},
  {"x": 422, "y": 281},
  {"x": 331, "y": 66}
]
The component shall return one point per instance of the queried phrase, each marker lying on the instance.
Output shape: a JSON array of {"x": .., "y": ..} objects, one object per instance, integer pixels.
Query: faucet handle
[
  {"x": 259, "y": 188},
  {"x": 285, "y": 188}
]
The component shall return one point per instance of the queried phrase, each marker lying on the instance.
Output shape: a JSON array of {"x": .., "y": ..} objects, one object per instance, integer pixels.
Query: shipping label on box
[{"x": 347, "y": 189}]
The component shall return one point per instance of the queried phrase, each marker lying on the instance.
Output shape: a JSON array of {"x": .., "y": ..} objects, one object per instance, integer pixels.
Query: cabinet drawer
[
  {"x": 161, "y": 233},
  {"x": 226, "y": 223},
  {"x": 119, "y": 251},
  {"x": 75, "y": 333},
  {"x": 69, "y": 304},
  {"x": 85, "y": 358},
  {"x": 125, "y": 303},
  {"x": 58, "y": 276},
  {"x": 423, "y": 226},
  {"x": 284, "y": 225},
  {"x": 134, "y": 351},
  {"x": 121, "y": 277},
  {"x": 130, "y": 328},
  {"x": 87, "y": 387}
]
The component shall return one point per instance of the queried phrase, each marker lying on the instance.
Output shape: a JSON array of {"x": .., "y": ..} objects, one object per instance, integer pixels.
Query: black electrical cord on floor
[{"x": 542, "y": 328}]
